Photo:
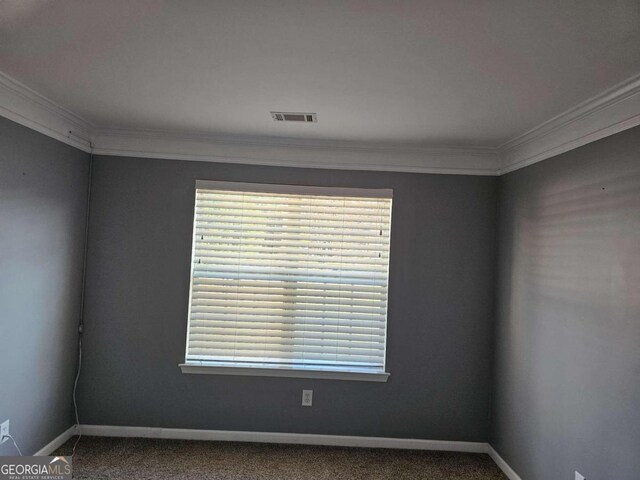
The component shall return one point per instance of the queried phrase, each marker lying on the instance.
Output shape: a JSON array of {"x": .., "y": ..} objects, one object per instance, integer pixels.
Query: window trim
[{"x": 287, "y": 371}]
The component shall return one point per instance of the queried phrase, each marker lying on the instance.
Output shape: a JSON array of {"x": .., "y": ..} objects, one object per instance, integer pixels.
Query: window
[{"x": 289, "y": 281}]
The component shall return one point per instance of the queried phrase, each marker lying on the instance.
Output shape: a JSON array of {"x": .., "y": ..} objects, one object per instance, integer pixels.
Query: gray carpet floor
[{"x": 105, "y": 458}]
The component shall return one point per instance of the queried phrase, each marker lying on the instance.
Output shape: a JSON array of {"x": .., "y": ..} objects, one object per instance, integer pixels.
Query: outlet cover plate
[
  {"x": 307, "y": 398},
  {"x": 4, "y": 430}
]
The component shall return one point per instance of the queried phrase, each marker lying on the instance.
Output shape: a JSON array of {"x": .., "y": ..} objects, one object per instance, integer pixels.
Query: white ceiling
[{"x": 412, "y": 72}]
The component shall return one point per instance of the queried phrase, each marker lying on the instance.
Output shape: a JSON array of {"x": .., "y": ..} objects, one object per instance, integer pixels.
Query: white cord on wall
[
  {"x": 82, "y": 301},
  {"x": 75, "y": 387},
  {"x": 14, "y": 442}
]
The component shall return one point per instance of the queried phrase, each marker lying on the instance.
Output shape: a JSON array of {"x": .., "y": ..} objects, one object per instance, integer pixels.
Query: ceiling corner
[
  {"x": 610, "y": 112},
  {"x": 27, "y": 107}
]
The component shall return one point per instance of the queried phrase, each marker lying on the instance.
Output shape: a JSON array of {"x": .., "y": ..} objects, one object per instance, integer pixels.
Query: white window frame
[{"x": 315, "y": 372}]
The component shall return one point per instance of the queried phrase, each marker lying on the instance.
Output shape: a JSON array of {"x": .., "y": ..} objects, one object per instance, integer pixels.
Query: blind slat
[
  {"x": 222, "y": 283},
  {"x": 243, "y": 297},
  {"x": 316, "y": 322}
]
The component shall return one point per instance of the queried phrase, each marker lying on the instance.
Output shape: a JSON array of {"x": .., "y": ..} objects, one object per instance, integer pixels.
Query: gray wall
[
  {"x": 567, "y": 356},
  {"x": 440, "y": 317},
  {"x": 43, "y": 188}
]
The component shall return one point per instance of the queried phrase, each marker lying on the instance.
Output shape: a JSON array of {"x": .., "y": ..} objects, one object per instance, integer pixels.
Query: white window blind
[{"x": 289, "y": 277}]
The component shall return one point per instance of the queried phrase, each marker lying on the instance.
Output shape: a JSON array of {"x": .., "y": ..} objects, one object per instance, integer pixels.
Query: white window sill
[{"x": 357, "y": 375}]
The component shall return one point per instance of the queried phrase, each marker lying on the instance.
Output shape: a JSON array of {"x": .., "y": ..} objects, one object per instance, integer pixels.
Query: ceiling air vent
[{"x": 294, "y": 117}]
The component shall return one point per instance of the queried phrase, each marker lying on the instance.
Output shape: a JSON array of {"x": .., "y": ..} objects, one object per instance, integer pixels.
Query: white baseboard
[
  {"x": 275, "y": 437},
  {"x": 289, "y": 438},
  {"x": 56, "y": 442},
  {"x": 504, "y": 466}
]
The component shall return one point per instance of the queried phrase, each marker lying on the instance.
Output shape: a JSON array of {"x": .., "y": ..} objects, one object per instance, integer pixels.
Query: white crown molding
[
  {"x": 27, "y": 107},
  {"x": 31, "y": 109},
  {"x": 287, "y": 438},
  {"x": 57, "y": 442},
  {"x": 612, "y": 111},
  {"x": 290, "y": 152},
  {"x": 504, "y": 466}
]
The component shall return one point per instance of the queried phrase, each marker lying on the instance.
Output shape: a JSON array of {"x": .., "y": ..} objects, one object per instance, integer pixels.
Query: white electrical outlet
[
  {"x": 4, "y": 430},
  {"x": 579, "y": 477},
  {"x": 307, "y": 398}
]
